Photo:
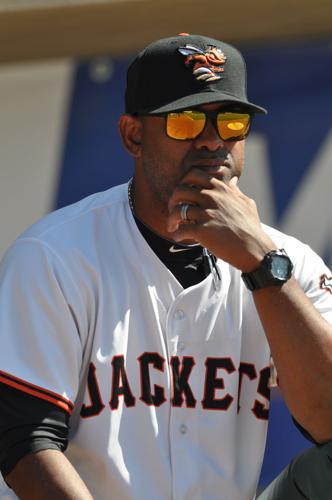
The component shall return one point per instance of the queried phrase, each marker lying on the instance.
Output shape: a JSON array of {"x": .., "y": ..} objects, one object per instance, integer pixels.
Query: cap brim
[{"x": 204, "y": 98}]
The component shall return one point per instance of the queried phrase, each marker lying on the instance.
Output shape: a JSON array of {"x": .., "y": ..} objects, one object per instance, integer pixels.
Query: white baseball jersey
[{"x": 176, "y": 400}]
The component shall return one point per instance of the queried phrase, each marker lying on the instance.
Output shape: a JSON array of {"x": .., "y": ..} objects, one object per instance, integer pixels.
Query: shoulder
[
  {"x": 79, "y": 214},
  {"x": 309, "y": 267},
  {"x": 72, "y": 238},
  {"x": 293, "y": 246}
]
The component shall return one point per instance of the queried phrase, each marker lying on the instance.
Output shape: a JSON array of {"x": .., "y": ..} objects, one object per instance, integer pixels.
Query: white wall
[{"x": 33, "y": 103}]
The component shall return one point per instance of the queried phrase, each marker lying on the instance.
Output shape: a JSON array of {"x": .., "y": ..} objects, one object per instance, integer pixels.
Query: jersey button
[
  {"x": 179, "y": 314},
  {"x": 181, "y": 346},
  {"x": 183, "y": 429}
]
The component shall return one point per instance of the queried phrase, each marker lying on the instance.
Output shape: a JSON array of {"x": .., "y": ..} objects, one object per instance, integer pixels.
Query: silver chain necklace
[{"x": 130, "y": 199}]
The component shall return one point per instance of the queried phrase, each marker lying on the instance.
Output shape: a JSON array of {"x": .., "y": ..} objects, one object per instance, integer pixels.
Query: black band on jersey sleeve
[{"x": 28, "y": 424}]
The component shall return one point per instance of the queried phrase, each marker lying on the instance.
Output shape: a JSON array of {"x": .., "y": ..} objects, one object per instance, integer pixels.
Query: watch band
[{"x": 275, "y": 269}]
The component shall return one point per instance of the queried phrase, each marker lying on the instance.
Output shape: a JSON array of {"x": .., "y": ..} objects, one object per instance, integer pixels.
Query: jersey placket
[{"x": 184, "y": 342}]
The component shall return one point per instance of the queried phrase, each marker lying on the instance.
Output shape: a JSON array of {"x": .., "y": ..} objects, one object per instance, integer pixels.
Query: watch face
[
  {"x": 280, "y": 267},
  {"x": 275, "y": 269}
]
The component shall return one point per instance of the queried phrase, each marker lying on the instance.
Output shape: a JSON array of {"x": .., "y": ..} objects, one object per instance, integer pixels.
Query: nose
[{"x": 209, "y": 139}]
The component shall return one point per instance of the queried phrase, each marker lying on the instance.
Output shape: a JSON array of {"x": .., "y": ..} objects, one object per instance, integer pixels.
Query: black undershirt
[{"x": 186, "y": 262}]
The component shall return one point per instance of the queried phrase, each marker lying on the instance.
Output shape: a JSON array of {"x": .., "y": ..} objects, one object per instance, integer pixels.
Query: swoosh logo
[{"x": 172, "y": 249}]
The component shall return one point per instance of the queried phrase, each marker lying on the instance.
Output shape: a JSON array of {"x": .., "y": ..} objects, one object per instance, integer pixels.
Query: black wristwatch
[{"x": 275, "y": 269}]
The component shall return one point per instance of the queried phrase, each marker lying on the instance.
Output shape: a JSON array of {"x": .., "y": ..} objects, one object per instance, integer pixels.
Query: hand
[{"x": 224, "y": 220}]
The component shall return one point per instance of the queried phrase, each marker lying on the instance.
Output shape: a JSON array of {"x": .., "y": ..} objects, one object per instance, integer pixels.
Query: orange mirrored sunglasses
[{"x": 189, "y": 124}]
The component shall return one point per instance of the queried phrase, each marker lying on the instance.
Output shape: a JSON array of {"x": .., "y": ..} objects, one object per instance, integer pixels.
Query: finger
[
  {"x": 205, "y": 176},
  {"x": 191, "y": 195},
  {"x": 195, "y": 215},
  {"x": 197, "y": 195},
  {"x": 184, "y": 194},
  {"x": 234, "y": 181},
  {"x": 233, "y": 184},
  {"x": 186, "y": 232}
]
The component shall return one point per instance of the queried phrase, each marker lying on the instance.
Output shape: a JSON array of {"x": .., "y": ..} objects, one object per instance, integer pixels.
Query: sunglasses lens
[
  {"x": 189, "y": 124},
  {"x": 233, "y": 126},
  {"x": 185, "y": 124}
]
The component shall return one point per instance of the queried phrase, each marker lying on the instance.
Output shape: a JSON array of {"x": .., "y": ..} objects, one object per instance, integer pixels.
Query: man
[{"x": 137, "y": 325}]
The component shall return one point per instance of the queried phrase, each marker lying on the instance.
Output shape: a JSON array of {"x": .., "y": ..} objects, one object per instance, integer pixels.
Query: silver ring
[{"x": 183, "y": 212}]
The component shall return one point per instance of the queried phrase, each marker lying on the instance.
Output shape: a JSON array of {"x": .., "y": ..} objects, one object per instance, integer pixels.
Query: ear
[{"x": 130, "y": 128}]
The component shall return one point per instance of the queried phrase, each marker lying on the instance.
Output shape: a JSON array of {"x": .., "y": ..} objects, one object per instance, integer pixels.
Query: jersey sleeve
[
  {"x": 28, "y": 425},
  {"x": 312, "y": 274},
  {"x": 315, "y": 278},
  {"x": 41, "y": 324}
]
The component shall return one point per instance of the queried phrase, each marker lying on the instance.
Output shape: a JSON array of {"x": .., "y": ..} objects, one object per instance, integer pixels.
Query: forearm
[
  {"x": 47, "y": 475},
  {"x": 301, "y": 346},
  {"x": 227, "y": 223}
]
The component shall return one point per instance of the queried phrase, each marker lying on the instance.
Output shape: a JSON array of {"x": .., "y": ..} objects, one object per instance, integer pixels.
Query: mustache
[{"x": 198, "y": 156}]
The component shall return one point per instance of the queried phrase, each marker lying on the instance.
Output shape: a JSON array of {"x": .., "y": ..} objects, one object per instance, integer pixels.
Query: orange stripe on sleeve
[{"x": 36, "y": 391}]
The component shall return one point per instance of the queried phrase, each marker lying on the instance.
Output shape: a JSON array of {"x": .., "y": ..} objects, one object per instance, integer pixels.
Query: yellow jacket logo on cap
[{"x": 205, "y": 65}]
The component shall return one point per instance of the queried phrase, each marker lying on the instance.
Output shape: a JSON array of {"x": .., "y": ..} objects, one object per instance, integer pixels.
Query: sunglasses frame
[{"x": 211, "y": 115}]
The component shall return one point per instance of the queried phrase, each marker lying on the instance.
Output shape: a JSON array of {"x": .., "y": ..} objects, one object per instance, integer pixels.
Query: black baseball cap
[{"x": 185, "y": 71}]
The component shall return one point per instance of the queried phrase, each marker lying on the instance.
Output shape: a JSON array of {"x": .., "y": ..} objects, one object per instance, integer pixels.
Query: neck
[
  {"x": 210, "y": 259},
  {"x": 152, "y": 219}
]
